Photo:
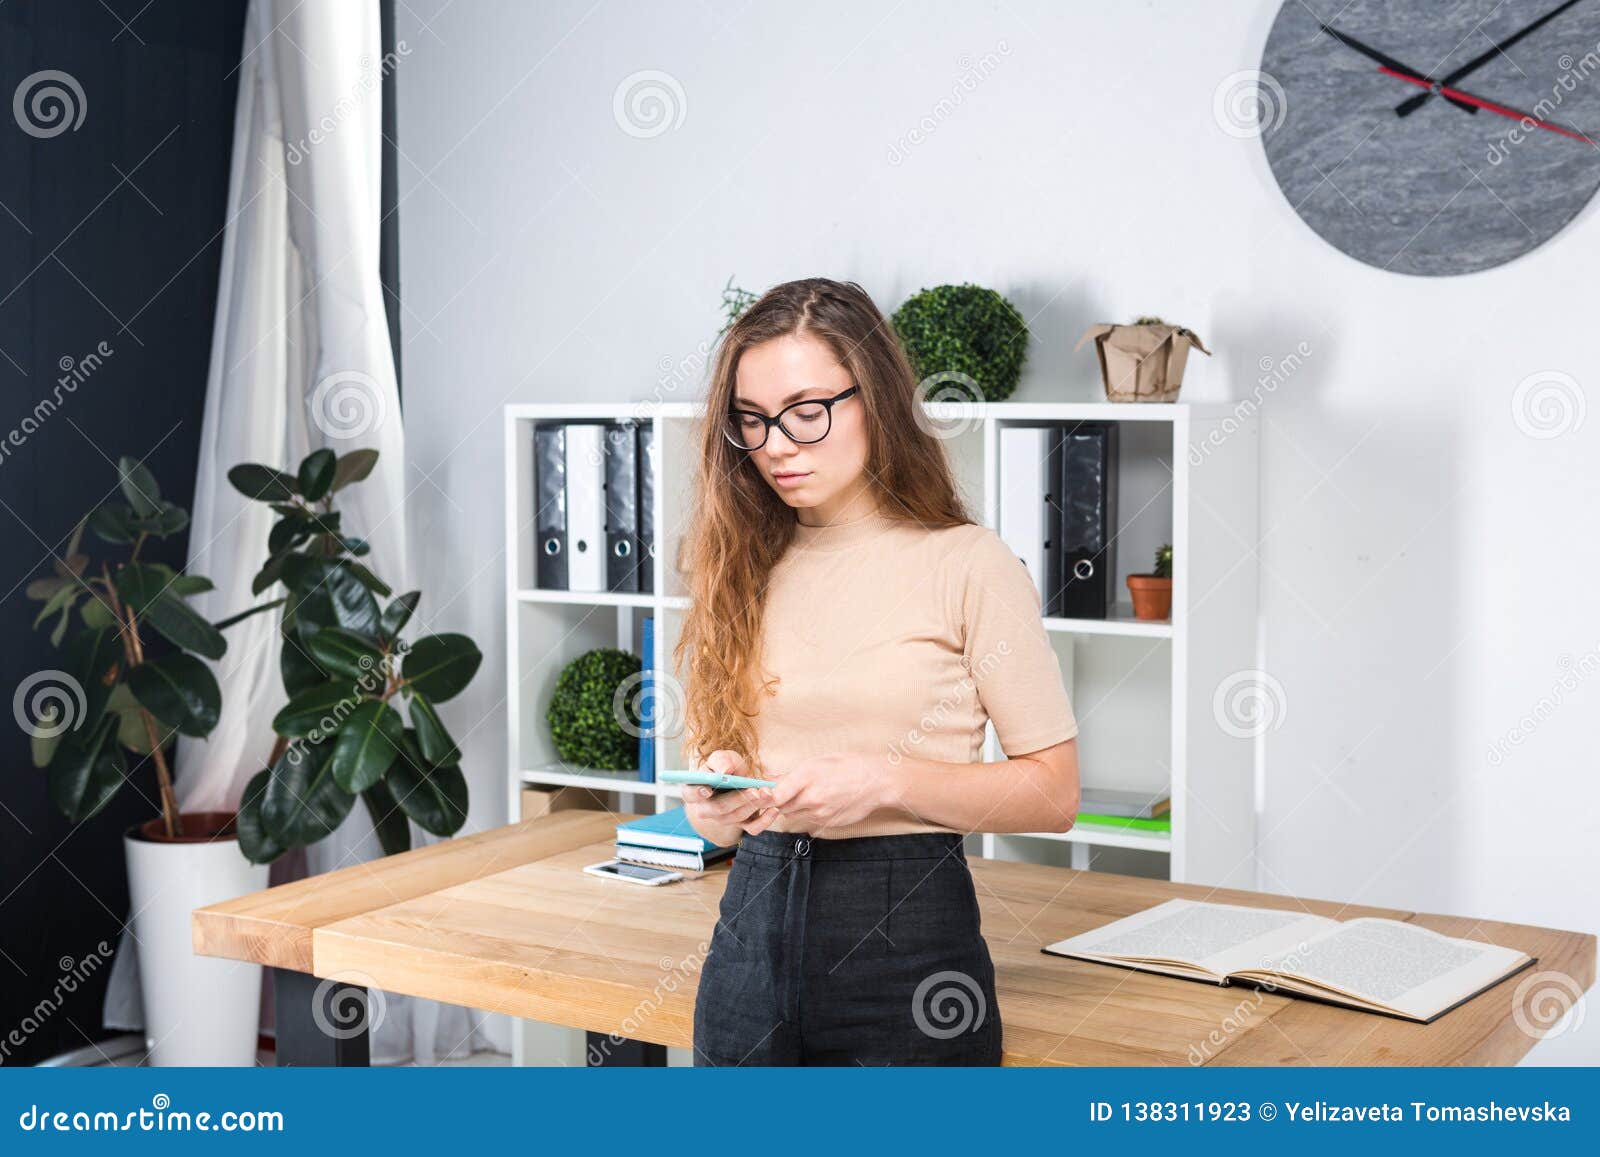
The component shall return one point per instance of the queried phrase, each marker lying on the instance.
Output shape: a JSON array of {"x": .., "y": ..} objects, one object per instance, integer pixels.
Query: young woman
[{"x": 850, "y": 632}]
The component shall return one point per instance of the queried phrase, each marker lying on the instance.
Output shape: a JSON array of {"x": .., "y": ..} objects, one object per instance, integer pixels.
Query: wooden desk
[{"x": 505, "y": 921}]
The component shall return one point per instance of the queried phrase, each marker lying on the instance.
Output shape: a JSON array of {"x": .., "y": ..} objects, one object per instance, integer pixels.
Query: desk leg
[
  {"x": 607, "y": 1051},
  {"x": 320, "y": 1022}
]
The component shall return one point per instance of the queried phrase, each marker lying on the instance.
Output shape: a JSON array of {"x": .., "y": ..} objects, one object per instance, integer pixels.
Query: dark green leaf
[
  {"x": 167, "y": 521},
  {"x": 131, "y": 730},
  {"x": 147, "y": 592},
  {"x": 263, "y": 483},
  {"x": 440, "y": 666},
  {"x": 398, "y": 613},
  {"x": 139, "y": 487},
  {"x": 356, "y": 546},
  {"x": 303, "y": 802},
  {"x": 224, "y": 624},
  {"x": 184, "y": 585},
  {"x": 300, "y": 671},
  {"x": 316, "y": 474},
  {"x": 93, "y": 658},
  {"x": 435, "y": 742},
  {"x": 268, "y": 574},
  {"x": 258, "y": 847},
  {"x": 347, "y": 653},
  {"x": 330, "y": 595},
  {"x": 369, "y": 580},
  {"x": 86, "y": 771},
  {"x": 435, "y": 797},
  {"x": 394, "y": 830},
  {"x": 321, "y": 709},
  {"x": 179, "y": 690},
  {"x": 353, "y": 467},
  {"x": 114, "y": 523},
  {"x": 287, "y": 533},
  {"x": 367, "y": 745}
]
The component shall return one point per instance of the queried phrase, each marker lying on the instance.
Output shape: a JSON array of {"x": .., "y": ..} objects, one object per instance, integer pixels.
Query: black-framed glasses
[{"x": 802, "y": 422}]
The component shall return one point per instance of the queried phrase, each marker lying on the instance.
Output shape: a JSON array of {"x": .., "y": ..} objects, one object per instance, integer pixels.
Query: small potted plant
[{"x": 1152, "y": 593}]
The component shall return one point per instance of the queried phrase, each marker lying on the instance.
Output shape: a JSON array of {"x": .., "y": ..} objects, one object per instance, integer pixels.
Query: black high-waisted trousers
[{"x": 852, "y": 951}]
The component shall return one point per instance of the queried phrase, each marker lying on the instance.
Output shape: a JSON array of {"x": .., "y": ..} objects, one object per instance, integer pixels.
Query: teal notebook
[{"x": 669, "y": 830}]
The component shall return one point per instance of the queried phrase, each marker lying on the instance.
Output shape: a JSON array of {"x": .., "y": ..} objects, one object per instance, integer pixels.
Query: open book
[{"x": 1384, "y": 966}]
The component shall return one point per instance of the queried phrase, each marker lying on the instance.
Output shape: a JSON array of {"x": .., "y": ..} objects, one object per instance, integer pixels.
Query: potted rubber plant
[
  {"x": 1152, "y": 593},
  {"x": 133, "y": 677},
  {"x": 347, "y": 668}
]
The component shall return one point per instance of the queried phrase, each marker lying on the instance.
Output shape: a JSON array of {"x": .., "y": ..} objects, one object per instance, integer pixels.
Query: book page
[
  {"x": 1410, "y": 969},
  {"x": 1208, "y": 936}
]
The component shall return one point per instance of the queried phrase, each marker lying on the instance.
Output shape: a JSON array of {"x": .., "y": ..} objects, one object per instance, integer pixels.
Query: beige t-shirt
[{"x": 890, "y": 640}]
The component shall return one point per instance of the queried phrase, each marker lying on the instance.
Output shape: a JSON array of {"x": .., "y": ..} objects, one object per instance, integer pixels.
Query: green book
[{"x": 1159, "y": 824}]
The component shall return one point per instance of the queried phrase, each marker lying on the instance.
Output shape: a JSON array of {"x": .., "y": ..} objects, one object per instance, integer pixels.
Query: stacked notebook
[
  {"x": 1134, "y": 810},
  {"x": 666, "y": 840}
]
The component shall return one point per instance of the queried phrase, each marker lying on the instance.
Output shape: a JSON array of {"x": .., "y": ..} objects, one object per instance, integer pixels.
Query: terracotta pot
[
  {"x": 198, "y": 1010},
  {"x": 1152, "y": 597}
]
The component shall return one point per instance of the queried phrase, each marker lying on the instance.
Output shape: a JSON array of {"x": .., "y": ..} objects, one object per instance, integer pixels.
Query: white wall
[{"x": 1427, "y": 567}]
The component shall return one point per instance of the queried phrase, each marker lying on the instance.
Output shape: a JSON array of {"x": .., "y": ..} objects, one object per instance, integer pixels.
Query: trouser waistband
[{"x": 912, "y": 846}]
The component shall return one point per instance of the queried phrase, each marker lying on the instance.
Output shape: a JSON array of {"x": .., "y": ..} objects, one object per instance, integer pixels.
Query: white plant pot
[{"x": 198, "y": 1010}]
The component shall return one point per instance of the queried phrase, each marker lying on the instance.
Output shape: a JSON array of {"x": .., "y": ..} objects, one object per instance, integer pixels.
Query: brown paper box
[
  {"x": 1142, "y": 363},
  {"x": 541, "y": 801}
]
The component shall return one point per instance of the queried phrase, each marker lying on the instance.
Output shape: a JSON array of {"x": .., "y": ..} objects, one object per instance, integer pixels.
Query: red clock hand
[{"x": 1503, "y": 110}]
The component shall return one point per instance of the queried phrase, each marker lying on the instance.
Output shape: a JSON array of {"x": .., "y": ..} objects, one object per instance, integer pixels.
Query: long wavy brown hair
[{"x": 740, "y": 529}]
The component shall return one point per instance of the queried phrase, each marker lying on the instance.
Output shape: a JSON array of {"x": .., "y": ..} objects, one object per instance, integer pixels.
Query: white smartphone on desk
[{"x": 633, "y": 873}]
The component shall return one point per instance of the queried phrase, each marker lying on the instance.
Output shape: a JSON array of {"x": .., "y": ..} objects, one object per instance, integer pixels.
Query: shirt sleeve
[{"x": 1007, "y": 651}]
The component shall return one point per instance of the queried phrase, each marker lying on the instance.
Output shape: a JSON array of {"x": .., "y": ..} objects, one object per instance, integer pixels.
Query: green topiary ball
[
  {"x": 964, "y": 329},
  {"x": 587, "y": 731}
]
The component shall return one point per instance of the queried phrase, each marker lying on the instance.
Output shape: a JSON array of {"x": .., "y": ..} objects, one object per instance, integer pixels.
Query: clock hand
[
  {"x": 1390, "y": 63},
  {"x": 1503, "y": 110},
  {"x": 1411, "y": 104}
]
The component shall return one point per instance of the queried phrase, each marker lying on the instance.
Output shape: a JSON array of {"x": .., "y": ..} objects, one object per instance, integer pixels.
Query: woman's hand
[
  {"x": 833, "y": 791},
  {"x": 720, "y": 816}
]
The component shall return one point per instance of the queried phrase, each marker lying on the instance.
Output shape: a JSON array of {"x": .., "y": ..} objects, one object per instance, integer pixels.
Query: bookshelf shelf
[{"x": 1143, "y": 691}]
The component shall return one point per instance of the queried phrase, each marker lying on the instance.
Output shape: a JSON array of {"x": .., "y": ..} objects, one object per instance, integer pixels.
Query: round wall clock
[{"x": 1433, "y": 138}]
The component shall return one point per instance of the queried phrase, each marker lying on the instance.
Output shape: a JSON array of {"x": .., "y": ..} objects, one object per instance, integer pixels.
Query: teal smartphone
[{"x": 716, "y": 780}]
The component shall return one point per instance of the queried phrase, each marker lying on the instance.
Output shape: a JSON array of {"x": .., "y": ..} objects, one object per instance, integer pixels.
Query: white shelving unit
[{"x": 1143, "y": 692}]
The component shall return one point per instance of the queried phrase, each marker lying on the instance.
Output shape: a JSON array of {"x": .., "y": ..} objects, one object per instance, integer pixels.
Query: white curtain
[{"x": 300, "y": 359}]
